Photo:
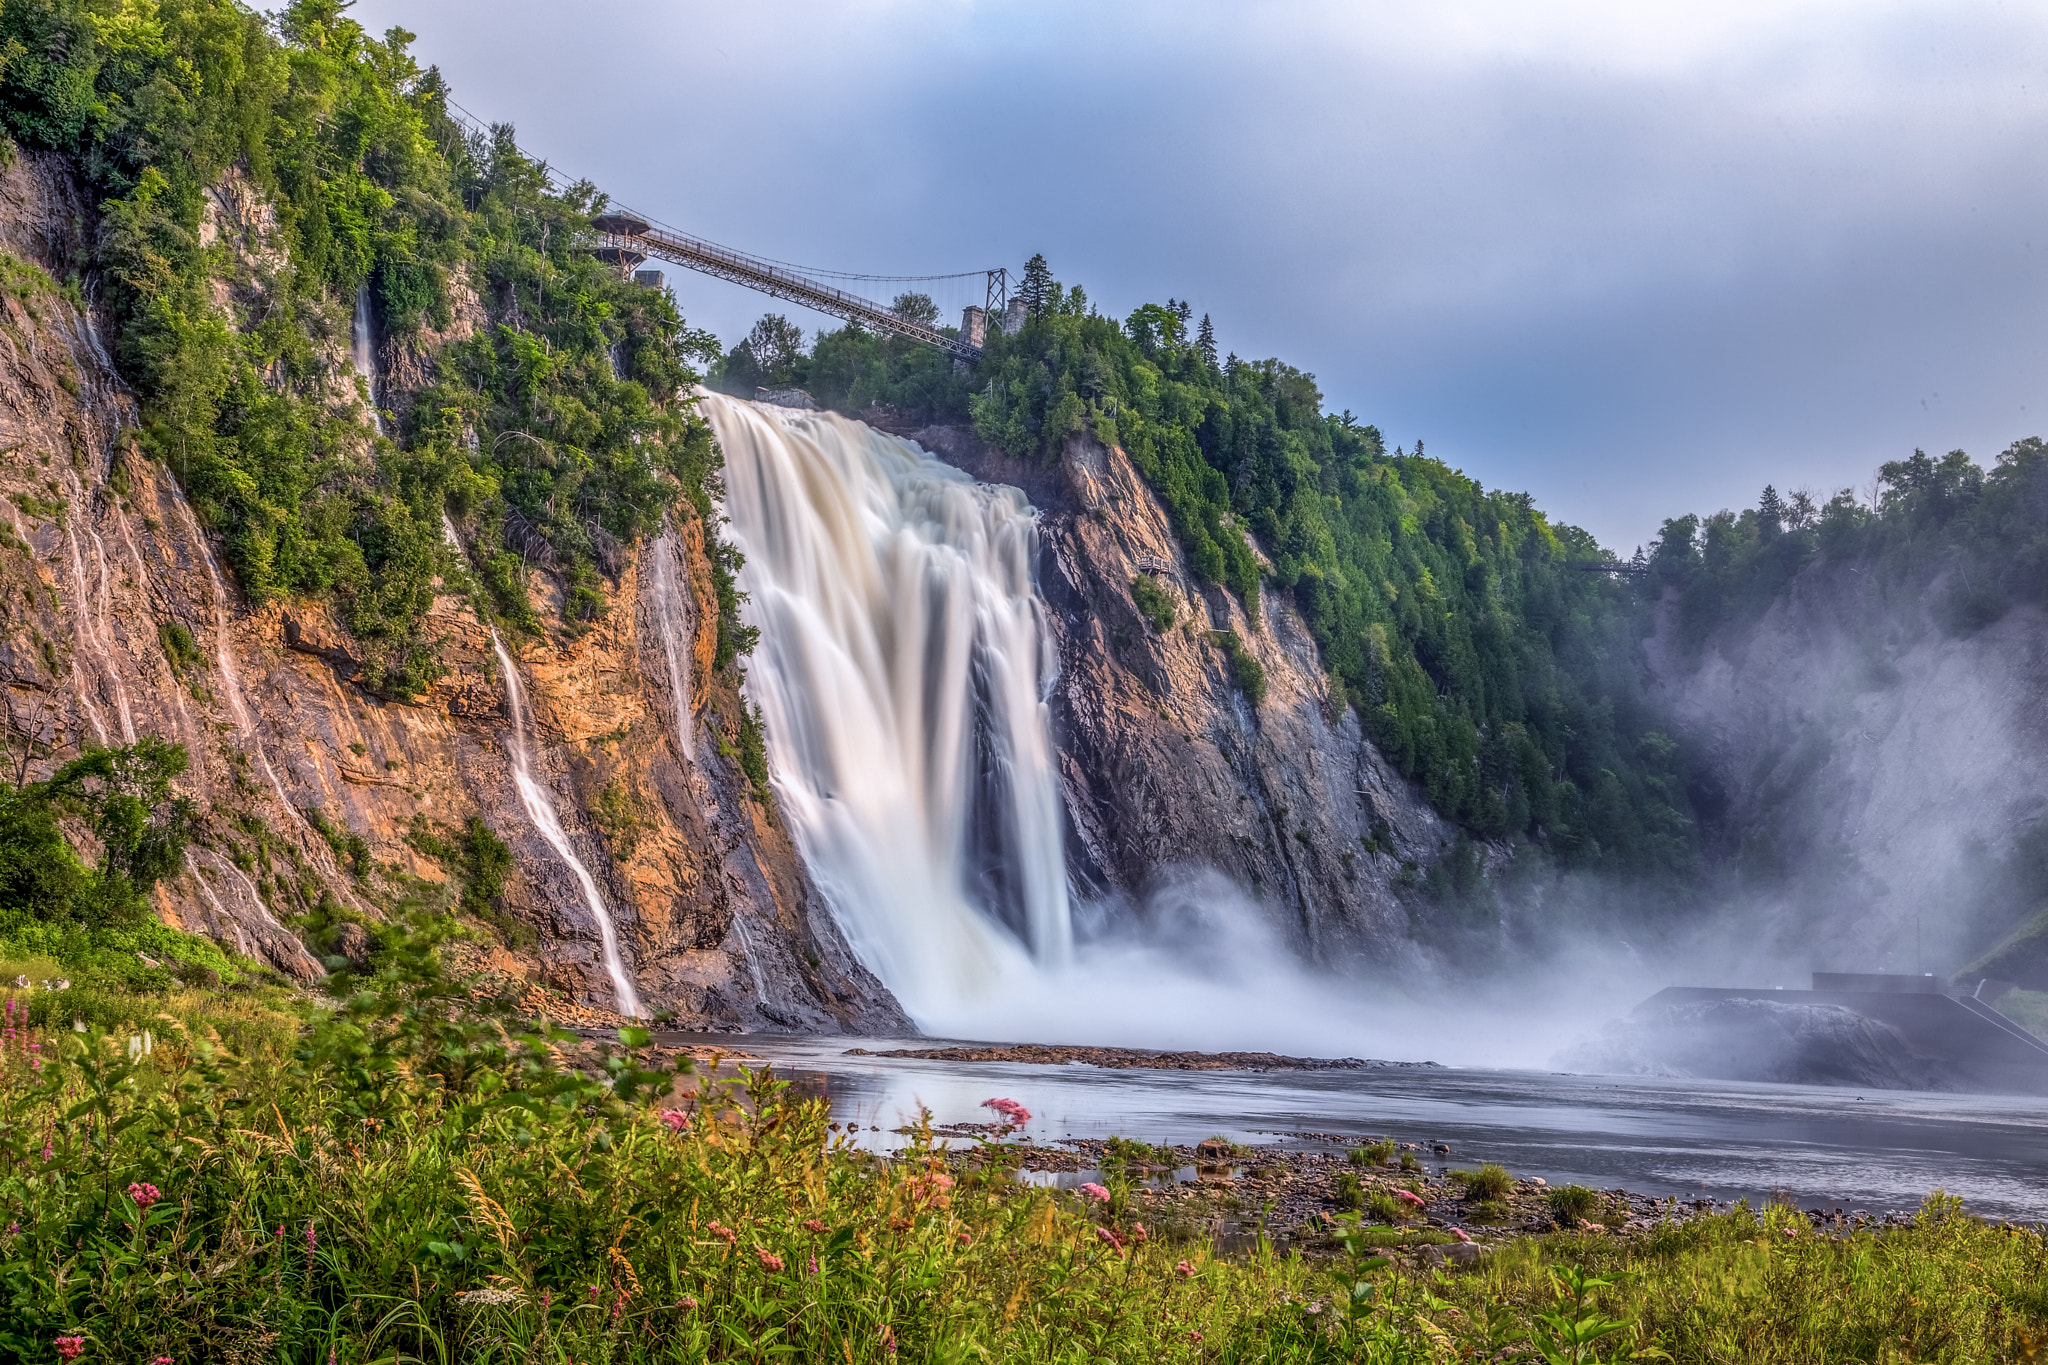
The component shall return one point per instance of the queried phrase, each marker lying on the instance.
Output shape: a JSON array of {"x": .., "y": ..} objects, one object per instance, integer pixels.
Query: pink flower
[
  {"x": 1095, "y": 1191},
  {"x": 813, "y": 1225},
  {"x": 1185, "y": 1270},
  {"x": 166, "y": 1360},
  {"x": 814, "y": 1265},
  {"x": 70, "y": 1348},
  {"x": 1409, "y": 1196},
  {"x": 1014, "y": 1114},
  {"x": 1194, "y": 1336},
  {"x": 1106, "y": 1235},
  {"x": 1459, "y": 1233},
  {"x": 718, "y": 1229},
  {"x": 144, "y": 1194},
  {"x": 769, "y": 1260},
  {"x": 930, "y": 1189},
  {"x": 676, "y": 1120},
  {"x": 1138, "y": 1233}
]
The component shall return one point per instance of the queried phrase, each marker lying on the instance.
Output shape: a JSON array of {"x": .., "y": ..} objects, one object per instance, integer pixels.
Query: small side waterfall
[
  {"x": 900, "y": 675},
  {"x": 540, "y": 808},
  {"x": 365, "y": 358}
]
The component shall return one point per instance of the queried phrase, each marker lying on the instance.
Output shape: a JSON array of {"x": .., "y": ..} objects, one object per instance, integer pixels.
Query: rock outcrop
[
  {"x": 120, "y": 622},
  {"x": 1166, "y": 763}
]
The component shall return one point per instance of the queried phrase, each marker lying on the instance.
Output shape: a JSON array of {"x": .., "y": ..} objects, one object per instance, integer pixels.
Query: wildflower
[
  {"x": 46, "y": 1149},
  {"x": 166, "y": 1360},
  {"x": 1138, "y": 1233},
  {"x": 888, "y": 1339},
  {"x": 814, "y": 1265},
  {"x": 144, "y": 1194},
  {"x": 70, "y": 1348},
  {"x": 676, "y": 1120},
  {"x": 618, "y": 1306},
  {"x": 1194, "y": 1336},
  {"x": 813, "y": 1225},
  {"x": 769, "y": 1260},
  {"x": 280, "y": 1229},
  {"x": 929, "y": 1189},
  {"x": 966, "y": 1239},
  {"x": 1185, "y": 1270},
  {"x": 1095, "y": 1191},
  {"x": 686, "y": 1302},
  {"x": 1459, "y": 1233},
  {"x": 1014, "y": 1114},
  {"x": 1409, "y": 1197},
  {"x": 13, "y": 1228},
  {"x": 1110, "y": 1237},
  {"x": 312, "y": 1242},
  {"x": 718, "y": 1229}
]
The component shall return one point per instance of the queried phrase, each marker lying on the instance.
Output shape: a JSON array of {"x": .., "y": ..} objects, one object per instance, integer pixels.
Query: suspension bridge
[{"x": 627, "y": 240}]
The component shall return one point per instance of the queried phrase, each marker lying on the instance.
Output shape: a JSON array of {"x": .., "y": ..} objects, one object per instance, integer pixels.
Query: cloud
[{"x": 1637, "y": 258}]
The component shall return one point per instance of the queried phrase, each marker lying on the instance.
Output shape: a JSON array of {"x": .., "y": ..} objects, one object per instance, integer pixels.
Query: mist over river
[{"x": 1817, "y": 1147}]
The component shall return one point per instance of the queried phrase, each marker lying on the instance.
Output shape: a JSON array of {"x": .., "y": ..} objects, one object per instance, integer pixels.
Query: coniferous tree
[
  {"x": 1770, "y": 512},
  {"x": 1205, "y": 342},
  {"x": 1037, "y": 288}
]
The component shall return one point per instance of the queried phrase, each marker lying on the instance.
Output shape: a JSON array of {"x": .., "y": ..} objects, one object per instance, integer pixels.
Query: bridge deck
[{"x": 627, "y": 234}]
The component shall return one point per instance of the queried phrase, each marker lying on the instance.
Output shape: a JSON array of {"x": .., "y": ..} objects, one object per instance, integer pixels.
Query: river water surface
[{"x": 1876, "y": 1150}]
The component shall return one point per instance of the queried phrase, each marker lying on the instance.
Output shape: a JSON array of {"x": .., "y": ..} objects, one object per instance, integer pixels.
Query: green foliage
[
  {"x": 754, "y": 756},
  {"x": 94, "y": 920},
  {"x": 1153, "y": 603},
  {"x": 179, "y": 647},
  {"x": 559, "y": 432},
  {"x": 1571, "y": 1203},
  {"x": 1490, "y": 1181},
  {"x": 1976, "y": 538},
  {"x": 1246, "y": 671}
]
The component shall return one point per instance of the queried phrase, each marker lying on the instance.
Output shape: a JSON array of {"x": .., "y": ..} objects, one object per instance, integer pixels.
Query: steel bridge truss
[{"x": 627, "y": 240}]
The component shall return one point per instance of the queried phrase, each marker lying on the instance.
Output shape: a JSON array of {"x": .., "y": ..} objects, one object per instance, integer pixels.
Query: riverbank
[{"x": 412, "y": 1173}]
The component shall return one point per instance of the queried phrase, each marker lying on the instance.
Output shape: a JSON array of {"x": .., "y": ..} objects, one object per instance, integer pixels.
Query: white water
[
  {"x": 671, "y": 613},
  {"x": 540, "y": 808},
  {"x": 360, "y": 352},
  {"x": 901, "y": 675}
]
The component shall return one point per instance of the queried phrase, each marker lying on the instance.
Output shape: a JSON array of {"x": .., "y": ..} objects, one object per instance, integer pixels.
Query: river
[{"x": 1876, "y": 1151}]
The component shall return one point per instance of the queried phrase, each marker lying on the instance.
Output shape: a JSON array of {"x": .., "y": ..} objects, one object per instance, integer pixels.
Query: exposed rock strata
[
  {"x": 1166, "y": 764},
  {"x": 104, "y": 558}
]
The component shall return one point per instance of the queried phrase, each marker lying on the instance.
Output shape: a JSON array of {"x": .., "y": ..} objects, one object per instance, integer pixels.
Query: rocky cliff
[
  {"x": 1167, "y": 765},
  {"x": 120, "y": 622}
]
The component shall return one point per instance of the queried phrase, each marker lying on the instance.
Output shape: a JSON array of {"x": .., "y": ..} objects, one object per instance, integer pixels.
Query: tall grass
[{"x": 422, "y": 1177}]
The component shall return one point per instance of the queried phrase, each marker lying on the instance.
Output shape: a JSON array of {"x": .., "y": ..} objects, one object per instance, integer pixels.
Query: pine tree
[
  {"x": 1205, "y": 342},
  {"x": 1037, "y": 289},
  {"x": 1770, "y": 513}
]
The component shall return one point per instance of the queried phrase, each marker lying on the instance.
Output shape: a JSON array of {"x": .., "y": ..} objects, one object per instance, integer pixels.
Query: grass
[
  {"x": 1153, "y": 603},
  {"x": 412, "y": 1174},
  {"x": 1570, "y": 1203},
  {"x": 1489, "y": 1183}
]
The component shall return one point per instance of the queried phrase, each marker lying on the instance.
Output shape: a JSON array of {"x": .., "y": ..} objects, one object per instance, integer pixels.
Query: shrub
[
  {"x": 1153, "y": 603},
  {"x": 1489, "y": 1182},
  {"x": 1246, "y": 671},
  {"x": 1350, "y": 1191},
  {"x": 1373, "y": 1153},
  {"x": 1570, "y": 1203}
]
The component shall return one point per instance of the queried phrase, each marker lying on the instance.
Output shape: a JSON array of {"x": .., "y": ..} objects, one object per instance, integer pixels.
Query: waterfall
[
  {"x": 540, "y": 808},
  {"x": 901, "y": 678},
  {"x": 672, "y": 615},
  {"x": 359, "y": 349}
]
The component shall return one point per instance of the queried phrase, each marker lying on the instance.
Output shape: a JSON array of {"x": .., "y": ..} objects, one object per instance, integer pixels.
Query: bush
[
  {"x": 1374, "y": 1153},
  {"x": 1571, "y": 1203},
  {"x": 1488, "y": 1182},
  {"x": 1350, "y": 1191},
  {"x": 1153, "y": 603},
  {"x": 1246, "y": 671}
]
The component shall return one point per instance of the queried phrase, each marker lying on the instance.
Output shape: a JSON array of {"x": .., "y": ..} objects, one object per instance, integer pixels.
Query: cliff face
[
  {"x": 119, "y": 623},
  {"x": 1166, "y": 763},
  {"x": 1880, "y": 781}
]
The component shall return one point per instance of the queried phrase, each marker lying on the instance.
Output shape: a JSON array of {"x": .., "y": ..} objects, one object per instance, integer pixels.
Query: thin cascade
[
  {"x": 901, "y": 675},
  {"x": 360, "y": 351},
  {"x": 540, "y": 808},
  {"x": 675, "y": 641}
]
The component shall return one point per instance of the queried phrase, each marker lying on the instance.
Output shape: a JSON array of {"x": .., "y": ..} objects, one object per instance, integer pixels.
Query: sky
[{"x": 1638, "y": 259}]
